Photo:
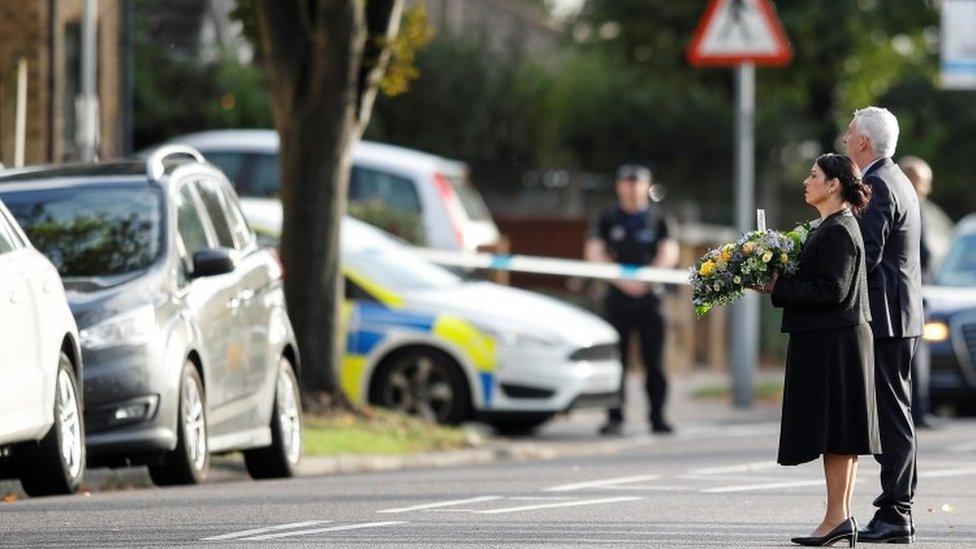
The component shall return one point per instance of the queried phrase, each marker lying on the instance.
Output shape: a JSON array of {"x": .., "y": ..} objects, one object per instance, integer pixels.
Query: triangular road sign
[{"x": 739, "y": 31}]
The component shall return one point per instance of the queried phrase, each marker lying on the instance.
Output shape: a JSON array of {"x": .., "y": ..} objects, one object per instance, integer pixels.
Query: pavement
[{"x": 713, "y": 484}]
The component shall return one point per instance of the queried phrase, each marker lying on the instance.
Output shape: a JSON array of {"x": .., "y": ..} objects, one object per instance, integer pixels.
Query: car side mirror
[{"x": 213, "y": 262}]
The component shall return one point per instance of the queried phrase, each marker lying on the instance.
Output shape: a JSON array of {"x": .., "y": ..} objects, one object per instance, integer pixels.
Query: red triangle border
[{"x": 781, "y": 58}]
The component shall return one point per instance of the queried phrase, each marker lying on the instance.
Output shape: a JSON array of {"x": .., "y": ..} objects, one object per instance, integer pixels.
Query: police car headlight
[
  {"x": 134, "y": 327},
  {"x": 513, "y": 338}
]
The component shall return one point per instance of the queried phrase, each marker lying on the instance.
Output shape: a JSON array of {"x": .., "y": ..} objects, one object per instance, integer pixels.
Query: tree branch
[{"x": 382, "y": 22}]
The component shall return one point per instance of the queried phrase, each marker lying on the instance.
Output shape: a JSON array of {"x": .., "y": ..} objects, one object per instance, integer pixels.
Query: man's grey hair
[{"x": 880, "y": 127}]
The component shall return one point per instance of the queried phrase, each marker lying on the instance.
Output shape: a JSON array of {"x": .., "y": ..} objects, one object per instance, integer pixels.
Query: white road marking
[
  {"x": 539, "y": 498},
  {"x": 557, "y": 505},
  {"x": 324, "y": 530},
  {"x": 245, "y": 533},
  {"x": 818, "y": 482},
  {"x": 763, "y": 486},
  {"x": 962, "y": 448},
  {"x": 652, "y": 487},
  {"x": 947, "y": 473},
  {"x": 439, "y": 504},
  {"x": 741, "y": 468},
  {"x": 600, "y": 483}
]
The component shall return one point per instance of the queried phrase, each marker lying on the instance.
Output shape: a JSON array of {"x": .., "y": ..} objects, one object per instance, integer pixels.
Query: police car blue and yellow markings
[{"x": 376, "y": 321}]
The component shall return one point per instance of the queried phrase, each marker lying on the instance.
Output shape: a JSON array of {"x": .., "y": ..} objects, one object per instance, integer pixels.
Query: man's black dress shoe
[
  {"x": 879, "y": 531},
  {"x": 846, "y": 531}
]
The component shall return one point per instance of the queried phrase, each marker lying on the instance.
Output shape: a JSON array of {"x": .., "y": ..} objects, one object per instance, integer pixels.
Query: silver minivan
[{"x": 187, "y": 345}]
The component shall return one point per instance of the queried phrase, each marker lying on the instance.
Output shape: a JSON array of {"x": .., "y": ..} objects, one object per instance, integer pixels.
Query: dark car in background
[
  {"x": 950, "y": 329},
  {"x": 187, "y": 345}
]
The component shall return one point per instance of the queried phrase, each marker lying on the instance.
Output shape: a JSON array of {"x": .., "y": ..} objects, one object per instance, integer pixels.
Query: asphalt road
[{"x": 712, "y": 485}]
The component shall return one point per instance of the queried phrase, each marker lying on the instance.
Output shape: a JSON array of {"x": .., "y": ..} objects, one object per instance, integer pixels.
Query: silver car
[{"x": 187, "y": 346}]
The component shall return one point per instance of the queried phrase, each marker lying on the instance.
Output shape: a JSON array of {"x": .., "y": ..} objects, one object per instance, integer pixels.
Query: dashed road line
[
  {"x": 947, "y": 473},
  {"x": 578, "y": 503},
  {"x": 601, "y": 483},
  {"x": 740, "y": 468},
  {"x": 313, "y": 531},
  {"x": 255, "y": 531},
  {"x": 440, "y": 504},
  {"x": 763, "y": 486}
]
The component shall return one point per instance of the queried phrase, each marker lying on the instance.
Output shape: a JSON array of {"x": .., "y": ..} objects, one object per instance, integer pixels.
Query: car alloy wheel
[
  {"x": 424, "y": 382},
  {"x": 194, "y": 423},
  {"x": 280, "y": 458},
  {"x": 189, "y": 461},
  {"x": 56, "y": 463},
  {"x": 289, "y": 413},
  {"x": 69, "y": 425}
]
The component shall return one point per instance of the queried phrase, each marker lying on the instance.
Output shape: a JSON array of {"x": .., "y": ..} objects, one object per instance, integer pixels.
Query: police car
[{"x": 424, "y": 341}]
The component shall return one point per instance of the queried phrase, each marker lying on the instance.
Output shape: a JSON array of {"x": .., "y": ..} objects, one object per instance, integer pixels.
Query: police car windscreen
[{"x": 92, "y": 230}]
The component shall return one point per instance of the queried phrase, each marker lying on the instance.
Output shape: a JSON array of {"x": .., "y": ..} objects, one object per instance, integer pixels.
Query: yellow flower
[
  {"x": 725, "y": 256},
  {"x": 706, "y": 268},
  {"x": 748, "y": 247},
  {"x": 767, "y": 256},
  {"x": 783, "y": 258}
]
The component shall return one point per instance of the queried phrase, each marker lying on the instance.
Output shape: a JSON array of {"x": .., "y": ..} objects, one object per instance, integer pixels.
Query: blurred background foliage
[{"x": 618, "y": 88}]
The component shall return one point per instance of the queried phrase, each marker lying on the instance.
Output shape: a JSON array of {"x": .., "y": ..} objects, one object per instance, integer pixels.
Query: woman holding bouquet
[{"x": 829, "y": 406}]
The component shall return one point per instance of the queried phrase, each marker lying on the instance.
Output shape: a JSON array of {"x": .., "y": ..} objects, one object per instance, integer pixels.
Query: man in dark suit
[{"x": 891, "y": 229}]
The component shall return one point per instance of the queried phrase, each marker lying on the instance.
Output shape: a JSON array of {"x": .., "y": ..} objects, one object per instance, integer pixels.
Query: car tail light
[{"x": 446, "y": 192}]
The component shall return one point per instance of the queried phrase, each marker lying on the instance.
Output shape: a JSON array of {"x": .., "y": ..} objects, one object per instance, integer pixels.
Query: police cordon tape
[
  {"x": 554, "y": 266},
  {"x": 536, "y": 264}
]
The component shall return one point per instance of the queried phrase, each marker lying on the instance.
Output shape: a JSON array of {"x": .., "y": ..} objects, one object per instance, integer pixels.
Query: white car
[
  {"x": 424, "y": 341},
  {"x": 42, "y": 439},
  {"x": 437, "y": 190}
]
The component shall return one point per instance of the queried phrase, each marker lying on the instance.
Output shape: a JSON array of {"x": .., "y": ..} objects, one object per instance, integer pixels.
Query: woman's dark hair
[{"x": 852, "y": 188}]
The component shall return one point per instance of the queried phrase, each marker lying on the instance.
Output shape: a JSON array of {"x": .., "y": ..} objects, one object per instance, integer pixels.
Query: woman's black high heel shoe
[{"x": 846, "y": 531}]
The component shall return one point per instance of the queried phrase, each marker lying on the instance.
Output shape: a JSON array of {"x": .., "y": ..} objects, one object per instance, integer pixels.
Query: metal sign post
[
  {"x": 745, "y": 313},
  {"x": 741, "y": 34}
]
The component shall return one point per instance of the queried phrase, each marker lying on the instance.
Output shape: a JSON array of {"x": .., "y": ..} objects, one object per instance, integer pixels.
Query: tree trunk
[{"x": 325, "y": 58}]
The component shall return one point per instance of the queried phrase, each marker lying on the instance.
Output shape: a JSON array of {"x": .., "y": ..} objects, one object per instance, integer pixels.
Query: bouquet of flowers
[{"x": 722, "y": 275}]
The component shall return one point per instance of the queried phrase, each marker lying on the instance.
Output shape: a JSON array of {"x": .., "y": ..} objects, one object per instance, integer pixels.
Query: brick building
[{"x": 46, "y": 34}]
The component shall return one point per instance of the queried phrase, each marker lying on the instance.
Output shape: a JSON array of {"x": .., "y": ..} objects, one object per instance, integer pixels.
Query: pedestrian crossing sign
[{"x": 733, "y": 32}]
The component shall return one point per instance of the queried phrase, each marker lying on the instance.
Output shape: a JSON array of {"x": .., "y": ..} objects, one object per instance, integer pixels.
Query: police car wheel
[{"x": 423, "y": 382}]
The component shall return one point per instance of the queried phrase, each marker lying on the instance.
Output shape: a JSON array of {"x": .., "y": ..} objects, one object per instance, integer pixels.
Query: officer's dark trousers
[
  {"x": 641, "y": 316},
  {"x": 893, "y": 380}
]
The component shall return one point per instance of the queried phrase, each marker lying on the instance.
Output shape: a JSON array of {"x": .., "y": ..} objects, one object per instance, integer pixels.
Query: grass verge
[{"x": 380, "y": 432}]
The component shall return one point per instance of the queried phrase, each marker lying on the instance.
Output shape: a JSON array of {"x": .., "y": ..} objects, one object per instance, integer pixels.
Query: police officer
[{"x": 635, "y": 232}]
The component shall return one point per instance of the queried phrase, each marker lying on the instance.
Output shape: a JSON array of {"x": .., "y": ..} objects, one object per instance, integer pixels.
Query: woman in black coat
[{"x": 829, "y": 406}]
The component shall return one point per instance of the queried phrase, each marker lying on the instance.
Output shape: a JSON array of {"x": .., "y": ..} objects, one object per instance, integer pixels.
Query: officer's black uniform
[{"x": 633, "y": 239}]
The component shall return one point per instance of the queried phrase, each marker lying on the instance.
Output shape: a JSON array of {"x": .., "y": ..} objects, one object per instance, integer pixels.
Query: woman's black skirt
[{"x": 829, "y": 404}]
